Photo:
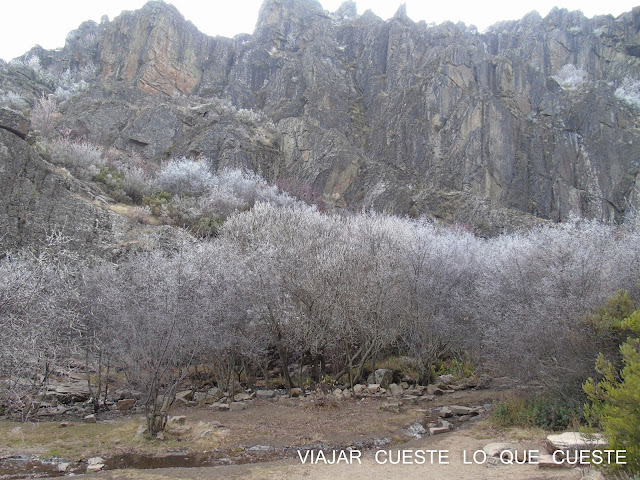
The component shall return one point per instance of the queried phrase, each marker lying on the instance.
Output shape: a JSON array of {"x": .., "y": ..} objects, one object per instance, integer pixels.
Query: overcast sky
[{"x": 25, "y": 23}]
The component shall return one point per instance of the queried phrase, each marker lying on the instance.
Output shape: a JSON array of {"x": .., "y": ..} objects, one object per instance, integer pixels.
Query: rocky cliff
[{"x": 532, "y": 118}]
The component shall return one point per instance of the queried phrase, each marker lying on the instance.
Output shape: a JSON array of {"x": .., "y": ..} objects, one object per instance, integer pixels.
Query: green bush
[
  {"x": 545, "y": 411},
  {"x": 615, "y": 398}
]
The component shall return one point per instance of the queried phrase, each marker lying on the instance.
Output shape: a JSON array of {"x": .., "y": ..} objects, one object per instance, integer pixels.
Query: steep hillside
[{"x": 534, "y": 118}]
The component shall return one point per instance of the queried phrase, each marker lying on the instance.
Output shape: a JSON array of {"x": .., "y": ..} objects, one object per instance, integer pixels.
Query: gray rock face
[
  {"x": 37, "y": 198},
  {"x": 534, "y": 118}
]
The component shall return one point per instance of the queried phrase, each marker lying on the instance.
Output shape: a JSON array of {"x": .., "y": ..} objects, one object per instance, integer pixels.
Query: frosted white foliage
[
  {"x": 234, "y": 189},
  {"x": 570, "y": 77},
  {"x": 629, "y": 93},
  {"x": 14, "y": 101},
  {"x": 84, "y": 157},
  {"x": 185, "y": 176}
]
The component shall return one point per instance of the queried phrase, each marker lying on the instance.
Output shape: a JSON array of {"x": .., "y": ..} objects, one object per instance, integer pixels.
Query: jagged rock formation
[
  {"x": 489, "y": 128},
  {"x": 38, "y": 199}
]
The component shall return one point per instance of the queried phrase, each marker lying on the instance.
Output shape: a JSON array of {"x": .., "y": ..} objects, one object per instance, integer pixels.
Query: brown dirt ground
[{"x": 286, "y": 422}]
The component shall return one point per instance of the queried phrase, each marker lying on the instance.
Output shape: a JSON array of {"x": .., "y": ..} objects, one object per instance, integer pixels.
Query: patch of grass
[
  {"x": 80, "y": 440},
  {"x": 544, "y": 411}
]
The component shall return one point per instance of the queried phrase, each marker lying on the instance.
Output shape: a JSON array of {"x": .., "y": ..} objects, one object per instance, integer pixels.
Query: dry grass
[{"x": 80, "y": 440}]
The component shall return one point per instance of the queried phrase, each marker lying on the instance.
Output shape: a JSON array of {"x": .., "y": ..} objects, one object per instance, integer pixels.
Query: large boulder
[
  {"x": 383, "y": 377},
  {"x": 14, "y": 122},
  {"x": 576, "y": 441}
]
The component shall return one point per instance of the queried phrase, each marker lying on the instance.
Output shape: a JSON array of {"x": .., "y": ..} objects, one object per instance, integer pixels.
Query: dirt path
[
  {"x": 455, "y": 442},
  {"x": 284, "y": 422}
]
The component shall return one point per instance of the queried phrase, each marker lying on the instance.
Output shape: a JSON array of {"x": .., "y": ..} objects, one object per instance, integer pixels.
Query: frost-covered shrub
[
  {"x": 14, "y": 101},
  {"x": 44, "y": 115},
  {"x": 84, "y": 158},
  {"x": 136, "y": 183},
  {"x": 570, "y": 77},
  {"x": 185, "y": 176},
  {"x": 33, "y": 64},
  {"x": 629, "y": 93},
  {"x": 232, "y": 190}
]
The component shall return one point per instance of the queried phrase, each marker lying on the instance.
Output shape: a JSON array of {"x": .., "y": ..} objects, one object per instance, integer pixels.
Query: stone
[
  {"x": 396, "y": 390},
  {"x": 444, "y": 380},
  {"x": 160, "y": 436},
  {"x": 14, "y": 122},
  {"x": 95, "y": 461},
  {"x": 126, "y": 405},
  {"x": 265, "y": 394},
  {"x": 576, "y": 441},
  {"x": 433, "y": 390},
  {"x": 96, "y": 467},
  {"x": 438, "y": 430},
  {"x": 372, "y": 388},
  {"x": 404, "y": 385},
  {"x": 461, "y": 410},
  {"x": 383, "y": 377},
  {"x": 445, "y": 412},
  {"x": 63, "y": 467},
  {"x": 244, "y": 397},
  {"x": 215, "y": 393},
  {"x": 90, "y": 419},
  {"x": 184, "y": 395},
  {"x": 223, "y": 407},
  {"x": 411, "y": 399},
  {"x": 391, "y": 407},
  {"x": 358, "y": 389},
  {"x": 237, "y": 406}
]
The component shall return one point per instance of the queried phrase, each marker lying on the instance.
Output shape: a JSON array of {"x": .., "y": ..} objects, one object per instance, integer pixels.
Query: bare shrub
[{"x": 44, "y": 115}]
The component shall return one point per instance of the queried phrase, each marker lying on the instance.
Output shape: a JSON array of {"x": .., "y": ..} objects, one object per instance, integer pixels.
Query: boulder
[
  {"x": 215, "y": 392},
  {"x": 90, "y": 419},
  {"x": 575, "y": 441},
  {"x": 444, "y": 380},
  {"x": 358, "y": 389},
  {"x": 63, "y": 467},
  {"x": 14, "y": 122},
  {"x": 383, "y": 377},
  {"x": 372, "y": 388},
  {"x": 445, "y": 412},
  {"x": 223, "y": 407},
  {"x": 237, "y": 406},
  {"x": 391, "y": 407},
  {"x": 243, "y": 397},
  {"x": 125, "y": 405},
  {"x": 438, "y": 430},
  {"x": 265, "y": 394},
  {"x": 184, "y": 395},
  {"x": 95, "y": 464},
  {"x": 396, "y": 390},
  {"x": 460, "y": 410},
  {"x": 433, "y": 390}
]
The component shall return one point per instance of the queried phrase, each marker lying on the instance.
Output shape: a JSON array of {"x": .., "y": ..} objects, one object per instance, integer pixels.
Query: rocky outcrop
[
  {"x": 37, "y": 199},
  {"x": 533, "y": 118}
]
